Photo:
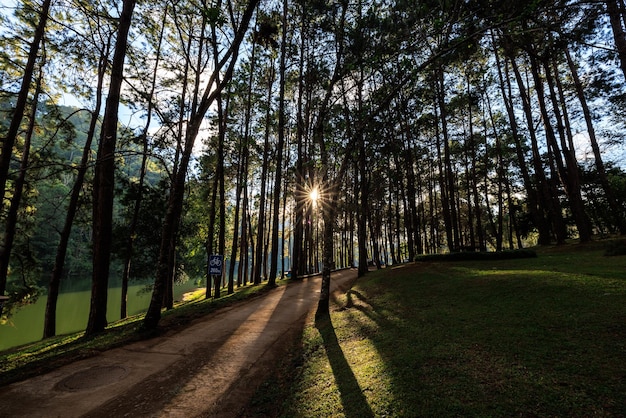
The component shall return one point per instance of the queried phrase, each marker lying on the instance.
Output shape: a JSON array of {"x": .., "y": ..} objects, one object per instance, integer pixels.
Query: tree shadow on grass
[{"x": 352, "y": 397}]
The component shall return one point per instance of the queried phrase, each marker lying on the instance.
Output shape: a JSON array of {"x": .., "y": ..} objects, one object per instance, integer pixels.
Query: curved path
[{"x": 211, "y": 368}]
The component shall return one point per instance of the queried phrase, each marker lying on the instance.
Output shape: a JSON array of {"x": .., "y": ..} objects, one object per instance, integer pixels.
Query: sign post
[{"x": 215, "y": 265}]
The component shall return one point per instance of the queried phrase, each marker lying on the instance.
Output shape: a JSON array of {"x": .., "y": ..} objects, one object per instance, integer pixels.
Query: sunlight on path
[{"x": 235, "y": 356}]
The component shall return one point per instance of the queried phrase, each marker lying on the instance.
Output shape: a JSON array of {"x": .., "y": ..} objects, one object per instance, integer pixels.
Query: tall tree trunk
[
  {"x": 536, "y": 213},
  {"x": 442, "y": 176},
  {"x": 473, "y": 180},
  {"x": 104, "y": 181},
  {"x": 279, "y": 147},
  {"x": 448, "y": 171},
  {"x": 566, "y": 174},
  {"x": 568, "y": 169},
  {"x": 242, "y": 272},
  {"x": 328, "y": 213},
  {"x": 260, "y": 261},
  {"x": 362, "y": 209},
  {"x": 218, "y": 185},
  {"x": 501, "y": 176},
  {"x": 389, "y": 223},
  {"x": 411, "y": 221},
  {"x": 242, "y": 183},
  {"x": 547, "y": 199},
  {"x": 236, "y": 215},
  {"x": 130, "y": 241},
  {"x": 298, "y": 256}
]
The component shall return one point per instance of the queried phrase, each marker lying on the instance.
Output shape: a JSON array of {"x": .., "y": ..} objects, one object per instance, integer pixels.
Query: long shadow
[
  {"x": 138, "y": 401},
  {"x": 352, "y": 398}
]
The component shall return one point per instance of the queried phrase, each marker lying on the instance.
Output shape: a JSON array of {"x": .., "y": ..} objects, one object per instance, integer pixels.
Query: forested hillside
[{"x": 298, "y": 136}]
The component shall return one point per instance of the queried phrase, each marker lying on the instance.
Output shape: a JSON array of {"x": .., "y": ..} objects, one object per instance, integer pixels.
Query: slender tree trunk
[
  {"x": 453, "y": 226},
  {"x": 142, "y": 175},
  {"x": 329, "y": 212},
  {"x": 501, "y": 175},
  {"x": 412, "y": 224},
  {"x": 362, "y": 209},
  {"x": 242, "y": 272},
  {"x": 392, "y": 249},
  {"x": 473, "y": 180},
  {"x": 104, "y": 181},
  {"x": 218, "y": 185},
  {"x": 443, "y": 184},
  {"x": 251, "y": 250},
  {"x": 264, "y": 173},
  {"x": 536, "y": 214},
  {"x": 268, "y": 221},
  {"x": 279, "y": 147},
  {"x": 298, "y": 256},
  {"x": 351, "y": 229},
  {"x": 545, "y": 197},
  {"x": 235, "y": 243},
  {"x": 568, "y": 169}
]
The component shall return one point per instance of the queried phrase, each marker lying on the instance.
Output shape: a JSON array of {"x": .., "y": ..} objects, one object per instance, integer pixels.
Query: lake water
[{"x": 26, "y": 325}]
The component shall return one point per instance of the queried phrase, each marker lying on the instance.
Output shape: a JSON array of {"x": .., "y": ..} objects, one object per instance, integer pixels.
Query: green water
[{"x": 26, "y": 325}]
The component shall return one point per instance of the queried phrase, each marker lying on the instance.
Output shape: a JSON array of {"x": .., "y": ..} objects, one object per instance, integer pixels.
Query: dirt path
[{"x": 211, "y": 368}]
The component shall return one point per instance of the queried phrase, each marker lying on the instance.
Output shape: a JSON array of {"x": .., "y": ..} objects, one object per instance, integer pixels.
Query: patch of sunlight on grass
[
  {"x": 344, "y": 375},
  {"x": 494, "y": 272},
  {"x": 371, "y": 374},
  {"x": 605, "y": 284},
  {"x": 318, "y": 394}
]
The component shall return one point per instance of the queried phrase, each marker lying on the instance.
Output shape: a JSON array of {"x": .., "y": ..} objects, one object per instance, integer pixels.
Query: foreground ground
[
  {"x": 210, "y": 368},
  {"x": 542, "y": 337}
]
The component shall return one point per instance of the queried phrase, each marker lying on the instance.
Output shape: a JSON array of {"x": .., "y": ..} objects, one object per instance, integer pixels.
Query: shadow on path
[{"x": 352, "y": 398}]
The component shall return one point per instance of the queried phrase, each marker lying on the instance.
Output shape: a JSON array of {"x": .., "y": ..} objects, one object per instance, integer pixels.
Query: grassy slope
[{"x": 531, "y": 337}]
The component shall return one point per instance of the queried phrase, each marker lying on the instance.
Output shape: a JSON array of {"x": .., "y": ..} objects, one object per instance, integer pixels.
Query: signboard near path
[{"x": 215, "y": 264}]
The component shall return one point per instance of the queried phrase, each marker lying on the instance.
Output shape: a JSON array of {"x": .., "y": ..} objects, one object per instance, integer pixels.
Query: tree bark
[
  {"x": 442, "y": 169},
  {"x": 261, "y": 261},
  {"x": 565, "y": 157},
  {"x": 279, "y": 148},
  {"x": 132, "y": 227},
  {"x": 547, "y": 199},
  {"x": 534, "y": 208},
  {"x": 104, "y": 181}
]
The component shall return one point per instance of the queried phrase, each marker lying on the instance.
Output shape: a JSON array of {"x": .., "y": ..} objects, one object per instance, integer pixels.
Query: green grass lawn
[{"x": 530, "y": 337}]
